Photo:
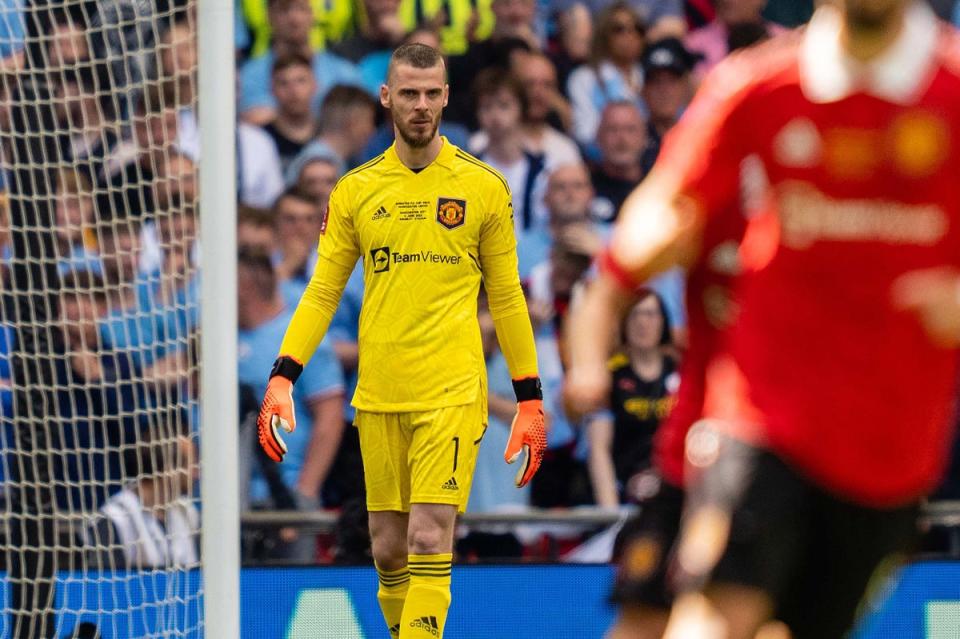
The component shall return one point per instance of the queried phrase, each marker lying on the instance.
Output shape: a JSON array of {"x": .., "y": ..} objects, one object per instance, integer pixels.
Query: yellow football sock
[
  {"x": 391, "y": 594},
  {"x": 425, "y": 611}
]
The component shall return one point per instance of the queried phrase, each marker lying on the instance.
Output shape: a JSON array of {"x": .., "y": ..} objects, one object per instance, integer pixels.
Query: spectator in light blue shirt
[
  {"x": 257, "y": 104},
  {"x": 11, "y": 27},
  {"x": 318, "y": 397}
]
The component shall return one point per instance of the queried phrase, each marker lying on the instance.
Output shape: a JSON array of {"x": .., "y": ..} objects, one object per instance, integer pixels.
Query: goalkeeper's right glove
[
  {"x": 528, "y": 432},
  {"x": 277, "y": 408}
]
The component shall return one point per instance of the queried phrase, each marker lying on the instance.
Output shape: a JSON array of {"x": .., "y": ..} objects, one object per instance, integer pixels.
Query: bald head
[{"x": 569, "y": 193}]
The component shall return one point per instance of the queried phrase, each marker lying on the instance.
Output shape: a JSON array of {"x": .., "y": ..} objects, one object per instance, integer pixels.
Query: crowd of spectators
[{"x": 568, "y": 99}]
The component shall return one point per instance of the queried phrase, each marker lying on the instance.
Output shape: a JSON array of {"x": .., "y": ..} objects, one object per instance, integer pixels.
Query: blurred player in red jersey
[
  {"x": 830, "y": 398},
  {"x": 644, "y": 546}
]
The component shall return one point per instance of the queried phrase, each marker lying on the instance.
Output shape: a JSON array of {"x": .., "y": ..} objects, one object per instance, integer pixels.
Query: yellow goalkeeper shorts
[{"x": 421, "y": 457}]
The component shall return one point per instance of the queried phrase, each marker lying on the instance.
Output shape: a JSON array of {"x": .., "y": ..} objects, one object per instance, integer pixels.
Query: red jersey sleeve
[{"x": 697, "y": 174}]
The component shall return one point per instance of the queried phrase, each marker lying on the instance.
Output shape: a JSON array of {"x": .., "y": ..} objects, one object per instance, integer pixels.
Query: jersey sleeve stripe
[
  {"x": 365, "y": 166},
  {"x": 472, "y": 160}
]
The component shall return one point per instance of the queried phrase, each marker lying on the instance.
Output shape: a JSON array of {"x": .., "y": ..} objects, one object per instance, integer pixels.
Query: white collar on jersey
[{"x": 828, "y": 74}]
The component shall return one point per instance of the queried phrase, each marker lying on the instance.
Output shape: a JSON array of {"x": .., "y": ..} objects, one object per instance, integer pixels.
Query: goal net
[{"x": 99, "y": 328}]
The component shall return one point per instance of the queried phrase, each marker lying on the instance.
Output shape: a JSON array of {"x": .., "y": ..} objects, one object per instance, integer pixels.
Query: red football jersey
[
  {"x": 710, "y": 302},
  {"x": 858, "y": 187}
]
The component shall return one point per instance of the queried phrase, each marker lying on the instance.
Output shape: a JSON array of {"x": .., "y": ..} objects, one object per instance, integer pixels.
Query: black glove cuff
[
  {"x": 287, "y": 367},
  {"x": 527, "y": 388}
]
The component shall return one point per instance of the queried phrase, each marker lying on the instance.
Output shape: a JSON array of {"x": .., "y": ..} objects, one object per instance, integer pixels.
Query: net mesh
[{"x": 98, "y": 338}]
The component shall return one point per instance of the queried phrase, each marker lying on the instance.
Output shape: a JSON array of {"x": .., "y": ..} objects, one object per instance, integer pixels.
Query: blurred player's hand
[
  {"x": 528, "y": 432},
  {"x": 934, "y": 296},
  {"x": 276, "y": 411},
  {"x": 586, "y": 389}
]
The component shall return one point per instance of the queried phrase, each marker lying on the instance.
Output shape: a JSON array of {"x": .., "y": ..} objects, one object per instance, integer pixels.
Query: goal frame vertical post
[{"x": 219, "y": 430}]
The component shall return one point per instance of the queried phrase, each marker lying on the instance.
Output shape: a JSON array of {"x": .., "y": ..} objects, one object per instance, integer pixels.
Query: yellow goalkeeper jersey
[{"x": 424, "y": 238}]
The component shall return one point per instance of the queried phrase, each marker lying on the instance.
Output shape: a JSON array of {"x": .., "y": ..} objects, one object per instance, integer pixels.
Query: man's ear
[
  {"x": 446, "y": 94},
  {"x": 385, "y": 96}
]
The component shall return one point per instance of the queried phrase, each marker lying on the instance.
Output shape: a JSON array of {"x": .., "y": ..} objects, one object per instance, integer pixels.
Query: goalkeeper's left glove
[
  {"x": 277, "y": 408},
  {"x": 528, "y": 433}
]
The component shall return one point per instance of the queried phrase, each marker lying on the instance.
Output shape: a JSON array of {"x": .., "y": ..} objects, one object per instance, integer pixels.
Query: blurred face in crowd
[
  {"x": 644, "y": 324},
  {"x": 540, "y": 79},
  {"x": 67, "y": 45},
  {"x": 156, "y": 132},
  {"x": 256, "y": 236},
  {"x": 80, "y": 311},
  {"x": 569, "y": 193},
  {"x": 177, "y": 230},
  {"x": 254, "y": 289},
  {"x": 361, "y": 125},
  {"x": 74, "y": 213},
  {"x": 317, "y": 179},
  {"x": 298, "y": 221},
  {"x": 499, "y": 114},
  {"x": 622, "y": 135},
  {"x": 379, "y": 9},
  {"x": 294, "y": 88},
  {"x": 513, "y": 16},
  {"x": 871, "y": 14},
  {"x": 120, "y": 253},
  {"x": 734, "y": 11},
  {"x": 291, "y": 21},
  {"x": 178, "y": 57},
  {"x": 415, "y": 98},
  {"x": 176, "y": 179},
  {"x": 424, "y": 36},
  {"x": 626, "y": 37},
  {"x": 665, "y": 94}
]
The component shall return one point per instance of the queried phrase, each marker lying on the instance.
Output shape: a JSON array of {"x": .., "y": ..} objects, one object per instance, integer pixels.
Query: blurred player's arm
[
  {"x": 338, "y": 253},
  {"x": 600, "y": 462},
  {"x": 660, "y": 225},
  {"x": 508, "y": 308},
  {"x": 933, "y": 295},
  {"x": 327, "y": 418}
]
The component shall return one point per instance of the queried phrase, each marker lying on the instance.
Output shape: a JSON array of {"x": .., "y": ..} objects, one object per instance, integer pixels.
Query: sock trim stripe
[
  {"x": 395, "y": 582},
  {"x": 430, "y": 563}
]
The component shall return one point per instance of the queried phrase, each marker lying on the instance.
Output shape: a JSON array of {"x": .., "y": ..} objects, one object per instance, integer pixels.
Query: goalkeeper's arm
[
  {"x": 307, "y": 327},
  {"x": 515, "y": 334}
]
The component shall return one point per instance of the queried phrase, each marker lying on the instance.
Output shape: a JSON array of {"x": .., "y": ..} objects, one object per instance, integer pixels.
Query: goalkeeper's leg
[
  {"x": 388, "y": 535},
  {"x": 430, "y": 543}
]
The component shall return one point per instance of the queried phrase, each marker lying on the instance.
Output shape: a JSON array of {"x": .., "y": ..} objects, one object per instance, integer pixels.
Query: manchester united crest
[{"x": 451, "y": 212}]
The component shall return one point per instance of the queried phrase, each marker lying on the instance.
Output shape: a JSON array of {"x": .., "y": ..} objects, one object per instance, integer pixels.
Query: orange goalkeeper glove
[
  {"x": 277, "y": 408},
  {"x": 528, "y": 433}
]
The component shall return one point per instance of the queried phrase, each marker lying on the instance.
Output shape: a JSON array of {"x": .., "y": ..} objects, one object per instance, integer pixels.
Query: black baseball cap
[{"x": 669, "y": 54}]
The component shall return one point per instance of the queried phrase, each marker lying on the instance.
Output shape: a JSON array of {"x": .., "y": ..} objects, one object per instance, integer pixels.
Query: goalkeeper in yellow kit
[{"x": 429, "y": 222}]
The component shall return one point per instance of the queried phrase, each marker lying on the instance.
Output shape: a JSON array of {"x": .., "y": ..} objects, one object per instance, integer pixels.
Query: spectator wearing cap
[
  {"x": 295, "y": 124},
  {"x": 315, "y": 172},
  {"x": 667, "y": 89},
  {"x": 613, "y": 73},
  {"x": 712, "y": 40},
  {"x": 291, "y": 21}
]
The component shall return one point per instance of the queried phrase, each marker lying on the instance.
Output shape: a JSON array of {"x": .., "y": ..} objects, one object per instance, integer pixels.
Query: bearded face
[{"x": 416, "y": 98}]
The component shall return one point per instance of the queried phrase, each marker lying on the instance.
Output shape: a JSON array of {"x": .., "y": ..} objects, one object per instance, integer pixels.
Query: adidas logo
[
  {"x": 428, "y": 624},
  {"x": 380, "y": 214},
  {"x": 451, "y": 484},
  {"x": 395, "y": 630}
]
